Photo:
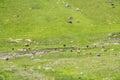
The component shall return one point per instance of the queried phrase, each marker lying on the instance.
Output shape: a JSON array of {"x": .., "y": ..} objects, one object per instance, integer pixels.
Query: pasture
[{"x": 76, "y": 39}]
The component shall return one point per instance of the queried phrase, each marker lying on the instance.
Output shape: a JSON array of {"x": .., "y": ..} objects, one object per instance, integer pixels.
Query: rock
[
  {"x": 16, "y": 16},
  {"x": 110, "y": 34},
  {"x": 71, "y": 41},
  {"x": 14, "y": 40},
  {"x": 28, "y": 40},
  {"x": 70, "y": 22},
  {"x": 70, "y": 18},
  {"x": 77, "y": 9},
  {"x": 67, "y": 5}
]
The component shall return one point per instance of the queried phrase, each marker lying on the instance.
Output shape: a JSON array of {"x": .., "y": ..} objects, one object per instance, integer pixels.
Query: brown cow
[{"x": 78, "y": 51}]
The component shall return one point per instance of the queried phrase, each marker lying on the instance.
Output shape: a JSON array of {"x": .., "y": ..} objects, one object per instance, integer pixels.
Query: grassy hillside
[
  {"x": 100, "y": 11},
  {"x": 49, "y": 25},
  {"x": 45, "y": 22}
]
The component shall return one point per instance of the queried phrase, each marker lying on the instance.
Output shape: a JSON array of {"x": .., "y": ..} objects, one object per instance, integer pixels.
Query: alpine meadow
[{"x": 59, "y": 39}]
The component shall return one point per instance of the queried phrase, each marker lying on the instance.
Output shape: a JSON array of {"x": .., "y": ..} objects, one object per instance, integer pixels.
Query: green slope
[
  {"x": 100, "y": 11},
  {"x": 45, "y": 21}
]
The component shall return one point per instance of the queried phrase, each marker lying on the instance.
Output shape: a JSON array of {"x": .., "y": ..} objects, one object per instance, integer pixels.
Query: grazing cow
[
  {"x": 71, "y": 50},
  {"x": 103, "y": 50},
  {"x": 7, "y": 59},
  {"x": 14, "y": 55},
  {"x": 113, "y": 5},
  {"x": 78, "y": 51},
  {"x": 12, "y": 49},
  {"x": 98, "y": 55},
  {"x": 95, "y": 45},
  {"x": 64, "y": 45},
  {"x": 87, "y": 46},
  {"x": 33, "y": 53},
  {"x": 46, "y": 51},
  {"x": 26, "y": 45},
  {"x": 26, "y": 49},
  {"x": 102, "y": 46},
  {"x": 55, "y": 49},
  {"x": 62, "y": 50},
  {"x": 74, "y": 47}
]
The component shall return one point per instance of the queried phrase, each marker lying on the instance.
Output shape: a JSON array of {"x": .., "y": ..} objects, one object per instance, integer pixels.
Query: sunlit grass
[
  {"x": 45, "y": 22},
  {"x": 62, "y": 66}
]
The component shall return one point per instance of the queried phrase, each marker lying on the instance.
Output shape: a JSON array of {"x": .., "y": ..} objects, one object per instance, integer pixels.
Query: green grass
[
  {"x": 61, "y": 66},
  {"x": 45, "y": 22}
]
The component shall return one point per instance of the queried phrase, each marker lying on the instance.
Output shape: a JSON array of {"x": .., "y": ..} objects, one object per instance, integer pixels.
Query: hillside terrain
[
  {"x": 47, "y": 22},
  {"x": 59, "y": 39}
]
